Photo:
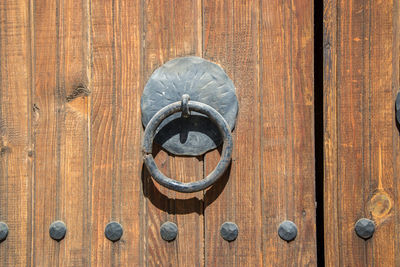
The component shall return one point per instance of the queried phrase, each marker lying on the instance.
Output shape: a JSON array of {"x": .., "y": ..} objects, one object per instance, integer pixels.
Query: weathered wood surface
[
  {"x": 72, "y": 73},
  {"x": 361, "y": 80}
]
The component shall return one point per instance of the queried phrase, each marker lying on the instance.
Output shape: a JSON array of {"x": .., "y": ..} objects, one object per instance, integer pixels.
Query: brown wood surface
[
  {"x": 16, "y": 121},
  {"x": 71, "y": 78},
  {"x": 361, "y": 80}
]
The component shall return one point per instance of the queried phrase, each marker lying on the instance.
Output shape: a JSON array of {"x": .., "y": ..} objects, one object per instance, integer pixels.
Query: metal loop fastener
[
  {"x": 185, "y": 107},
  {"x": 148, "y": 139}
]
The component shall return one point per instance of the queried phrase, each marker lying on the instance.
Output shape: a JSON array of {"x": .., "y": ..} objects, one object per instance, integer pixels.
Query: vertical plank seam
[
  {"x": 233, "y": 184},
  {"x": 337, "y": 78},
  {"x": 369, "y": 131},
  {"x": 260, "y": 87},
  {"x": 29, "y": 251},
  {"x": 89, "y": 125},
  {"x": 292, "y": 89},
  {"x": 119, "y": 154},
  {"x": 114, "y": 247},
  {"x": 60, "y": 121},
  {"x": 144, "y": 214},
  {"x": 58, "y": 111},
  {"x": 33, "y": 132},
  {"x": 85, "y": 31},
  {"x": 5, "y": 205},
  {"x": 285, "y": 82},
  {"x": 395, "y": 134},
  {"x": 203, "y": 158},
  {"x": 171, "y": 158},
  {"x": 363, "y": 108}
]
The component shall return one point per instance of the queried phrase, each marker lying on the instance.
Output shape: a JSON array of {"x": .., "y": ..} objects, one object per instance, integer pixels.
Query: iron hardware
[
  {"x": 3, "y": 231},
  {"x": 57, "y": 230},
  {"x": 229, "y": 231},
  {"x": 113, "y": 231},
  {"x": 365, "y": 228},
  {"x": 287, "y": 230},
  {"x": 168, "y": 231},
  {"x": 397, "y": 107},
  {"x": 200, "y": 126}
]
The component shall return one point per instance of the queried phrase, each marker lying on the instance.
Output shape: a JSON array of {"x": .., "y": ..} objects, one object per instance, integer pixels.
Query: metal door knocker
[{"x": 189, "y": 106}]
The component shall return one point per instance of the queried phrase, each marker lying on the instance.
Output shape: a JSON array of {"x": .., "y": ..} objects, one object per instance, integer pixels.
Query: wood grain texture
[
  {"x": 47, "y": 123},
  {"x": 72, "y": 74},
  {"x": 172, "y": 29},
  {"x": 273, "y": 158},
  {"x": 361, "y": 69},
  {"x": 74, "y": 185},
  {"x": 15, "y": 132},
  {"x": 218, "y": 200},
  {"x": 115, "y": 129},
  {"x": 287, "y": 144},
  {"x": 128, "y": 194},
  {"x": 231, "y": 40}
]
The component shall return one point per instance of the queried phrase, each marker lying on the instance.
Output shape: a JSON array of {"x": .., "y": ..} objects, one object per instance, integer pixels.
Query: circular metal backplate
[{"x": 204, "y": 82}]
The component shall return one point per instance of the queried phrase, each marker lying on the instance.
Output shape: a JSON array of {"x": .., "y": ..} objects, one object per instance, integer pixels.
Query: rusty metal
[
  {"x": 57, "y": 230},
  {"x": 168, "y": 231},
  {"x": 229, "y": 231},
  {"x": 221, "y": 167},
  {"x": 287, "y": 230},
  {"x": 205, "y": 82},
  {"x": 113, "y": 231},
  {"x": 365, "y": 228}
]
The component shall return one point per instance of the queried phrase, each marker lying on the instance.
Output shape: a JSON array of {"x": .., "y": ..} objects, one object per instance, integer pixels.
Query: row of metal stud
[{"x": 229, "y": 231}]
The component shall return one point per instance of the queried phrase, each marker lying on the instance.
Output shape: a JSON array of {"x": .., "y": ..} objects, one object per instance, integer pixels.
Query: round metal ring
[{"x": 222, "y": 165}]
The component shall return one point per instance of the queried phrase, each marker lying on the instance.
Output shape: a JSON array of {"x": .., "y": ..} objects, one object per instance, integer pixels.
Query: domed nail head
[
  {"x": 113, "y": 231},
  {"x": 287, "y": 231},
  {"x": 168, "y": 231},
  {"x": 3, "y": 231},
  {"x": 57, "y": 230},
  {"x": 365, "y": 228},
  {"x": 229, "y": 231}
]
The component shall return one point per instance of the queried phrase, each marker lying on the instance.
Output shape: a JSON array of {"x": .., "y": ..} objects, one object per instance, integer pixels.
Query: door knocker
[{"x": 189, "y": 106}]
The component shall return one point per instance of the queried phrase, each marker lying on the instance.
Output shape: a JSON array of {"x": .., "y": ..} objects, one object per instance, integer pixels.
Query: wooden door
[
  {"x": 361, "y": 81},
  {"x": 72, "y": 75}
]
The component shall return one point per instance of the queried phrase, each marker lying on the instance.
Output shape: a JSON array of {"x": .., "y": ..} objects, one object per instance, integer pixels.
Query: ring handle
[{"x": 186, "y": 106}]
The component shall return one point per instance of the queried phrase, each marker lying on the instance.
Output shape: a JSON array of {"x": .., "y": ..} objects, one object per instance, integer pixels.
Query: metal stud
[
  {"x": 113, "y": 231},
  {"x": 229, "y": 231},
  {"x": 169, "y": 231},
  {"x": 397, "y": 107},
  {"x": 57, "y": 230},
  {"x": 287, "y": 231},
  {"x": 364, "y": 228},
  {"x": 3, "y": 231}
]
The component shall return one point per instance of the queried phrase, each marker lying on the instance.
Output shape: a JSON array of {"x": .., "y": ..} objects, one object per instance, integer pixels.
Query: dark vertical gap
[{"x": 319, "y": 127}]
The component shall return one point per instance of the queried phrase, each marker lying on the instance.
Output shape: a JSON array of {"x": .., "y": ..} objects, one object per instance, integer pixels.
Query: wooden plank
[
  {"x": 172, "y": 29},
  {"x": 74, "y": 187},
  {"x": 116, "y": 129},
  {"x": 15, "y": 135},
  {"x": 379, "y": 192},
  {"x": 219, "y": 199},
  {"x": 287, "y": 131},
  {"x": 231, "y": 39},
  {"x": 61, "y": 132},
  {"x": 127, "y": 188},
  {"x": 396, "y": 143},
  {"x": 103, "y": 122},
  {"x": 331, "y": 236},
  {"x": 113, "y": 99},
  {"x": 47, "y": 115},
  {"x": 362, "y": 141}
]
